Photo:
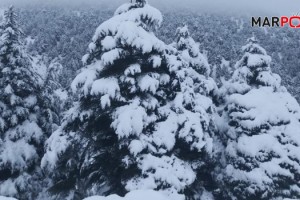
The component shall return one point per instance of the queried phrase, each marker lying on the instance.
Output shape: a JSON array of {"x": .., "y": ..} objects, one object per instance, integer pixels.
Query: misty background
[{"x": 282, "y": 7}]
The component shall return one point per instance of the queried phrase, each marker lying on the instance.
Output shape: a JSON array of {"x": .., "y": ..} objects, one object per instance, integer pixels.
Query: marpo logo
[{"x": 292, "y": 22}]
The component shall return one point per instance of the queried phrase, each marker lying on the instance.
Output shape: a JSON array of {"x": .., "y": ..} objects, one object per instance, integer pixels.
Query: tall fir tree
[
  {"x": 21, "y": 137},
  {"x": 120, "y": 89},
  {"x": 54, "y": 97},
  {"x": 193, "y": 109},
  {"x": 262, "y": 138},
  {"x": 129, "y": 130}
]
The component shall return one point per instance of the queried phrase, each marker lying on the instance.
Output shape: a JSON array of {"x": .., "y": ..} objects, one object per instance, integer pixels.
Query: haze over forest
[{"x": 284, "y": 7}]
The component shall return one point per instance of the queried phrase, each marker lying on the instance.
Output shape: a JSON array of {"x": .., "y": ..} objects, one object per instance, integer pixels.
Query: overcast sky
[{"x": 284, "y": 7}]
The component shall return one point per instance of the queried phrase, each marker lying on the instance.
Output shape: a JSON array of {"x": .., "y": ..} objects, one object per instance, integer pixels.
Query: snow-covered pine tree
[
  {"x": 121, "y": 87},
  {"x": 21, "y": 138},
  {"x": 261, "y": 129},
  {"x": 193, "y": 109},
  {"x": 54, "y": 97},
  {"x": 129, "y": 131}
]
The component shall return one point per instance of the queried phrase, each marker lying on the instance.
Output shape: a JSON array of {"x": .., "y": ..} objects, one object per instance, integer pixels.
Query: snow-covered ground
[
  {"x": 135, "y": 195},
  {"x": 6, "y": 198}
]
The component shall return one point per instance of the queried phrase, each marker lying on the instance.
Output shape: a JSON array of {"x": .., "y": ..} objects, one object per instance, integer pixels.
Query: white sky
[{"x": 284, "y": 7}]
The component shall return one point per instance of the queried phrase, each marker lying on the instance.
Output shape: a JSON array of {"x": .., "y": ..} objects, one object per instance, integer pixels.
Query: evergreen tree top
[
  {"x": 252, "y": 40},
  {"x": 253, "y": 70},
  {"x": 182, "y": 32},
  {"x": 10, "y": 38},
  {"x": 15, "y": 63},
  {"x": 141, "y": 13},
  {"x": 10, "y": 14},
  {"x": 189, "y": 50},
  {"x": 10, "y": 21},
  {"x": 185, "y": 41},
  {"x": 140, "y": 3},
  {"x": 255, "y": 57},
  {"x": 253, "y": 47},
  {"x": 130, "y": 29}
]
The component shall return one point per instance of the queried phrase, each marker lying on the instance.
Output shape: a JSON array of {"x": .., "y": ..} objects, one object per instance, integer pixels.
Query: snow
[
  {"x": 190, "y": 51},
  {"x": 106, "y": 86},
  {"x": 192, "y": 130},
  {"x": 30, "y": 101},
  {"x": 255, "y": 60},
  {"x": 16, "y": 150},
  {"x": 165, "y": 132},
  {"x": 108, "y": 58},
  {"x": 207, "y": 196},
  {"x": 156, "y": 60},
  {"x": 269, "y": 79},
  {"x": 239, "y": 86},
  {"x": 29, "y": 40},
  {"x": 13, "y": 186},
  {"x": 134, "y": 195},
  {"x": 254, "y": 144},
  {"x": 123, "y": 8},
  {"x": 55, "y": 146},
  {"x": 86, "y": 77},
  {"x": 183, "y": 31},
  {"x": 225, "y": 63},
  {"x": 193, "y": 124},
  {"x": 172, "y": 122},
  {"x": 149, "y": 82},
  {"x": 136, "y": 147},
  {"x": 252, "y": 47},
  {"x": 255, "y": 176},
  {"x": 27, "y": 130},
  {"x": 122, "y": 15},
  {"x": 133, "y": 70},
  {"x": 92, "y": 47},
  {"x": 263, "y": 107},
  {"x": 17, "y": 154},
  {"x": 14, "y": 119},
  {"x": 127, "y": 28},
  {"x": 9, "y": 30},
  {"x": 254, "y": 65},
  {"x": 2, "y": 10},
  {"x": 261, "y": 122},
  {"x": 6, "y": 198},
  {"x": 8, "y": 89},
  {"x": 85, "y": 58},
  {"x": 39, "y": 68},
  {"x": 130, "y": 33},
  {"x": 129, "y": 120},
  {"x": 61, "y": 94},
  {"x": 105, "y": 101},
  {"x": 2, "y": 124},
  {"x": 165, "y": 169},
  {"x": 108, "y": 43},
  {"x": 151, "y": 103},
  {"x": 164, "y": 79},
  {"x": 173, "y": 63},
  {"x": 165, "y": 117}
]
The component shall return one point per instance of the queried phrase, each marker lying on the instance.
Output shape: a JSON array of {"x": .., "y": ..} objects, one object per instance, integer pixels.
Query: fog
[{"x": 283, "y": 7}]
